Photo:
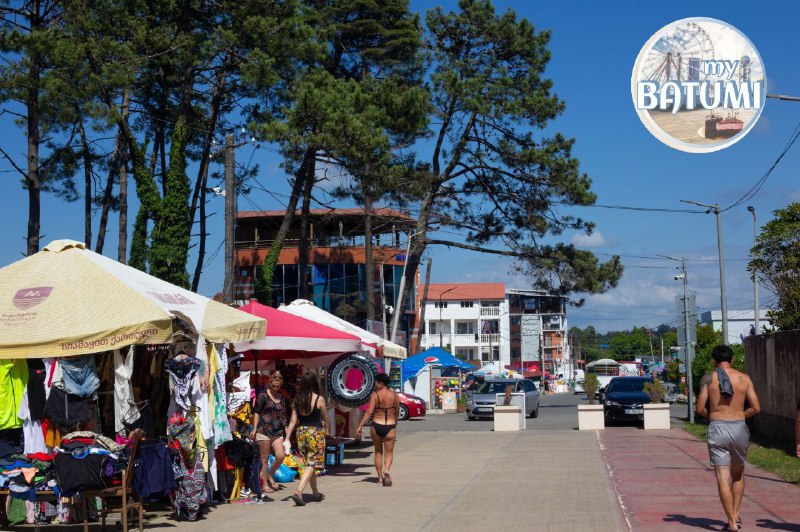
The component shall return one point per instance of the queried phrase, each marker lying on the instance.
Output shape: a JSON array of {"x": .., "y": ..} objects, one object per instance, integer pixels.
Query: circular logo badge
[
  {"x": 431, "y": 360},
  {"x": 699, "y": 85}
]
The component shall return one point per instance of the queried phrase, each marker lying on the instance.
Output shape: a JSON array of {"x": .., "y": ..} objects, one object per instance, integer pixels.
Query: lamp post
[
  {"x": 723, "y": 299},
  {"x": 755, "y": 271},
  {"x": 398, "y": 310},
  {"x": 440, "y": 312}
]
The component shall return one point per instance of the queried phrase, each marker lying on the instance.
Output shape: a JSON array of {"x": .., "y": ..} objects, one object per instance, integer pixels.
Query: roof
[
  {"x": 380, "y": 212},
  {"x": 466, "y": 291}
]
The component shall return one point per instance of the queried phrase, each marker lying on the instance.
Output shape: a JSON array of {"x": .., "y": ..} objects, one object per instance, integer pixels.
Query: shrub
[
  {"x": 590, "y": 386},
  {"x": 656, "y": 391}
]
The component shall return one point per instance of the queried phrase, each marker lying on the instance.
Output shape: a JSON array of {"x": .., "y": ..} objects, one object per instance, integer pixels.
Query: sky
[{"x": 594, "y": 46}]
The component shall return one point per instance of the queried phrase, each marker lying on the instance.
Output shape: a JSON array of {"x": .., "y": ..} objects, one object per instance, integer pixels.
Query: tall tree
[
  {"x": 493, "y": 175},
  {"x": 776, "y": 260}
]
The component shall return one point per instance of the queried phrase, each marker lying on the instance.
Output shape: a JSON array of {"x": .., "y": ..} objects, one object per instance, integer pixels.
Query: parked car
[
  {"x": 481, "y": 402},
  {"x": 624, "y": 398},
  {"x": 409, "y": 406}
]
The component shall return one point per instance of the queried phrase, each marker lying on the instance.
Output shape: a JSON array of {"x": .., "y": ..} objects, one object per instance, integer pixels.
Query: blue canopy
[{"x": 435, "y": 356}]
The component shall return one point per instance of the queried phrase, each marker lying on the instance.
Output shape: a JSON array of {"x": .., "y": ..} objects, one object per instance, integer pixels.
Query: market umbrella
[
  {"x": 371, "y": 342},
  {"x": 67, "y": 300},
  {"x": 435, "y": 356},
  {"x": 291, "y": 336}
]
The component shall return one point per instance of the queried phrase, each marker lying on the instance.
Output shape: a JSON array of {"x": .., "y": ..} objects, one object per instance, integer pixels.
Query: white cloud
[{"x": 595, "y": 240}]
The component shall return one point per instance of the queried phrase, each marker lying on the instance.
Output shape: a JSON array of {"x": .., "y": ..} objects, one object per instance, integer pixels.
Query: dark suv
[{"x": 624, "y": 399}]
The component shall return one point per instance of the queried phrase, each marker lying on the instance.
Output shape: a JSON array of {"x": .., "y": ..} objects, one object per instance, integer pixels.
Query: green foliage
[
  {"x": 655, "y": 390},
  {"x": 493, "y": 175},
  {"x": 776, "y": 259},
  {"x": 674, "y": 371},
  {"x": 149, "y": 209},
  {"x": 626, "y": 345},
  {"x": 170, "y": 239},
  {"x": 703, "y": 363},
  {"x": 590, "y": 385}
]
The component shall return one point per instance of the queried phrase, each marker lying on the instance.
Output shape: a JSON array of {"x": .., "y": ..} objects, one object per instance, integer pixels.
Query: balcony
[
  {"x": 490, "y": 311},
  {"x": 464, "y": 339},
  {"x": 487, "y": 339}
]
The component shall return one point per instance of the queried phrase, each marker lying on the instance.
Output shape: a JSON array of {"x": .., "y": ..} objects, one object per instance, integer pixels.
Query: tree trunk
[
  {"x": 369, "y": 263},
  {"x": 305, "y": 215},
  {"x": 422, "y": 305},
  {"x": 32, "y": 180},
  {"x": 199, "y": 195},
  {"x": 87, "y": 175},
  {"x": 122, "y": 244},
  {"x": 108, "y": 194},
  {"x": 263, "y": 289}
]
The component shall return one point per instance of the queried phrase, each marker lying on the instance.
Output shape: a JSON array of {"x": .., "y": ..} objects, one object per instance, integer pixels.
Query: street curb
[{"x": 623, "y": 513}]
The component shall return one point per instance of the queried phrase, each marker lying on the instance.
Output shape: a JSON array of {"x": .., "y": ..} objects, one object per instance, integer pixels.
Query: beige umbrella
[{"x": 67, "y": 300}]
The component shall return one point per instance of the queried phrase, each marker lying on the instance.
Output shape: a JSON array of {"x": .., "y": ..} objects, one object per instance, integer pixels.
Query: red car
[{"x": 410, "y": 406}]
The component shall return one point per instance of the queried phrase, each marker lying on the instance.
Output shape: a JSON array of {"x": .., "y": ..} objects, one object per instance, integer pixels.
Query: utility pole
[
  {"x": 686, "y": 341},
  {"x": 723, "y": 299},
  {"x": 230, "y": 217},
  {"x": 423, "y": 303},
  {"x": 755, "y": 271}
]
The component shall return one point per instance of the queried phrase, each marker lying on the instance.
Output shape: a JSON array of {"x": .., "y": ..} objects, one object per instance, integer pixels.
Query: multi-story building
[
  {"x": 467, "y": 318},
  {"x": 336, "y": 271},
  {"x": 487, "y": 323},
  {"x": 741, "y": 323}
]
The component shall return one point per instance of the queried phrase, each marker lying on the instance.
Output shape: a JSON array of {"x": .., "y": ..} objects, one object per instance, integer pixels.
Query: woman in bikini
[
  {"x": 308, "y": 416},
  {"x": 270, "y": 419},
  {"x": 382, "y": 409}
]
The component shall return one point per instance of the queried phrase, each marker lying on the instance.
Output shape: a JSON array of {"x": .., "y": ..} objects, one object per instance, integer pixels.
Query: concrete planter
[
  {"x": 508, "y": 418},
  {"x": 656, "y": 416},
  {"x": 590, "y": 417}
]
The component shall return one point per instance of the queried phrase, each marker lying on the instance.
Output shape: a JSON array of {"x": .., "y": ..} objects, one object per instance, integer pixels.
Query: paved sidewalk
[
  {"x": 459, "y": 481},
  {"x": 664, "y": 482}
]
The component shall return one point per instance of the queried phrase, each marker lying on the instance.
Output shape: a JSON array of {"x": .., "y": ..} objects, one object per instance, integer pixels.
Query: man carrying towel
[{"x": 723, "y": 396}]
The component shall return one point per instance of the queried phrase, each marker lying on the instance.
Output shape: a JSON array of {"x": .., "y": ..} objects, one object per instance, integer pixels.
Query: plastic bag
[{"x": 284, "y": 473}]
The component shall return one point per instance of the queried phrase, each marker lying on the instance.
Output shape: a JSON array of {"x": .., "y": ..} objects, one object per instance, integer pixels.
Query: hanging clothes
[
  {"x": 80, "y": 375},
  {"x": 181, "y": 371},
  {"x": 124, "y": 405},
  {"x": 31, "y": 430},
  {"x": 222, "y": 430},
  {"x": 13, "y": 379},
  {"x": 65, "y": 409},
  {"x": 240, "y": 392},
  {"x": 36, "y": 393},
  {"x": 200, "y": 395}
]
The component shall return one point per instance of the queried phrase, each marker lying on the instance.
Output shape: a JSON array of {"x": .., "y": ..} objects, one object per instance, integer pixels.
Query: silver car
[{"x": 482, "y": 400}]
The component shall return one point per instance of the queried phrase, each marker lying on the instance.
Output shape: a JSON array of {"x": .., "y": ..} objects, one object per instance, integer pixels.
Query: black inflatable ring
[{"x": 338, "y": 371}]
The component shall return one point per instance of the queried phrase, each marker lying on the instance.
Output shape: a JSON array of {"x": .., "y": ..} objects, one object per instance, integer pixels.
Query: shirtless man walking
[{"x": 723, "y": 394}]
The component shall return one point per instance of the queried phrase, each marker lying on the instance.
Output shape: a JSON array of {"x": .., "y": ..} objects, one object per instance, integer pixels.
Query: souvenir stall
[
  {"x": 433, "y": 374},
  {"x": 100, "y": 362}
]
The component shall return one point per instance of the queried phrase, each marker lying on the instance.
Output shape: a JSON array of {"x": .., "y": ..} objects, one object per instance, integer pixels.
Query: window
[
  {"x": 243, "y": 272},
  {"x": 432, "y": 327},
  {"x": 467, "y": 304},
  {"x": 529, "y": 387},
  {"x": 440, "y": 304},
  {"x": 465, "y": 328},
  {"x": 515, "y": 320}
]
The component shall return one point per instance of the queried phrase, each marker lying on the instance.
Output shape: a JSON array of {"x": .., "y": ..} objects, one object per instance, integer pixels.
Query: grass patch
[{"x": 775, "y": 457}]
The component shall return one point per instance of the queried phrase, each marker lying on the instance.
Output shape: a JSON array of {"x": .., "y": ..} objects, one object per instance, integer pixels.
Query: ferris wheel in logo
[
  {"x": 698, "y": 85},
  {"x": 679, "y": 55}
]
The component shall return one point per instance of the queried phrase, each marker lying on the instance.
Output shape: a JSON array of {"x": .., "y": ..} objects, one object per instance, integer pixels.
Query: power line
[{"x": 628, "y": 207}]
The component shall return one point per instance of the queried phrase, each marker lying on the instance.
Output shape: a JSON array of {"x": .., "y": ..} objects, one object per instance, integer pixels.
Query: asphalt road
[{"x": 556, "y": 412}]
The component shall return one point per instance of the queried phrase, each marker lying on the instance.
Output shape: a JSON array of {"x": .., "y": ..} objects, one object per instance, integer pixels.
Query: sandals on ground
[
  {"x": 298, "y": 499},
  {"x": 318, "y": 497},
  {"x": 387, "y": 480}
]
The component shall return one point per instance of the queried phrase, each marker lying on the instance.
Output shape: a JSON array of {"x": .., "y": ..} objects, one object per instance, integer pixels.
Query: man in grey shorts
[{"x": 723, "y": 396}]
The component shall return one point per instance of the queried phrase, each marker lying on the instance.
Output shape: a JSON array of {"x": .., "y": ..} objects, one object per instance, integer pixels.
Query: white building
[
  {"x": 487, "y": 323},
  {"x": 739, "y": 322}
]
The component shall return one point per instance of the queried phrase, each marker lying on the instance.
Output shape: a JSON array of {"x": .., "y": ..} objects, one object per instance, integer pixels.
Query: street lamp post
[
  {"x": 398, "y": 309},
  {"x": 440, "y": 312},
  {"x": 723, "y": 299},
  {"x": 755, "y": 271}
]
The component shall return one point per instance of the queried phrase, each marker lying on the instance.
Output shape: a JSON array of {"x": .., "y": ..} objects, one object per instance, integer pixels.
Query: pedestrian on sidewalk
[
  {"x": 271, "y": 417},
  {"x": 308, "y": 416},
  {"x": 383, "y": 405},
  {"x": 727, "y": 398}
]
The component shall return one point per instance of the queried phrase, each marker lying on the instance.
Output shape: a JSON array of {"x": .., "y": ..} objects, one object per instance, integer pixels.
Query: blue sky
[{"x": 594, "y": 46}]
